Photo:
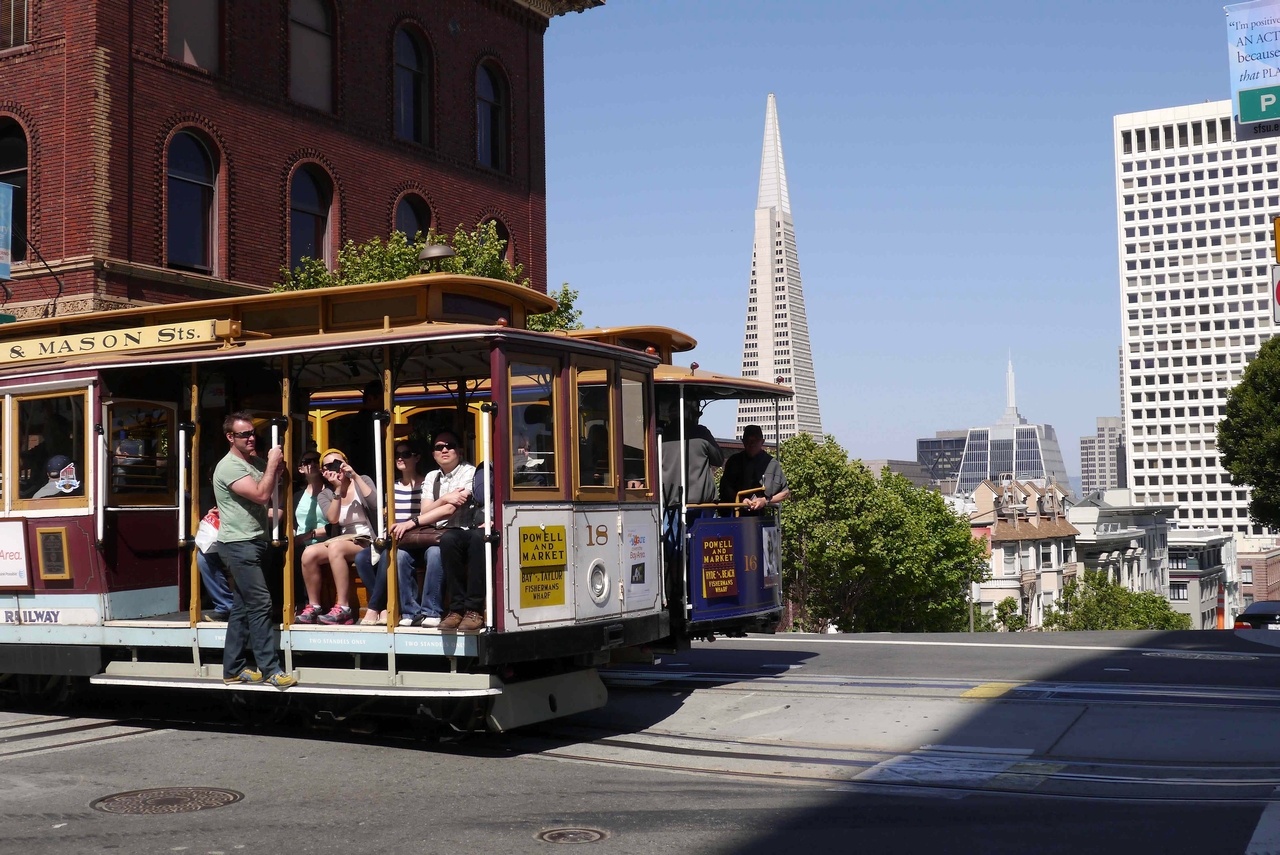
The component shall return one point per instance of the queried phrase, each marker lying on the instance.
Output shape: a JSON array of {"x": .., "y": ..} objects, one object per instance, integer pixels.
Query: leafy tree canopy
[
  {"x": 477, "y": 253},
  {"x": 1249, "y": 436},
  {"x": 1096, "y": 603},
  {"x": 871, "y": 555},
  {"x": 1009, "y": 615}
]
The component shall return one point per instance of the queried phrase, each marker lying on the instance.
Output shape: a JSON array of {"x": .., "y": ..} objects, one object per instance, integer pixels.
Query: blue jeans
[
  {"x": 214, "y": 576},
  {"x": 250, "y": 625},
  {"x": 375, "y": 580}
]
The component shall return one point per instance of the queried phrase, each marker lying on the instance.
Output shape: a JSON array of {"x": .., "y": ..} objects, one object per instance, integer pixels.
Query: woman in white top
[{"x": 348, "y": 515}]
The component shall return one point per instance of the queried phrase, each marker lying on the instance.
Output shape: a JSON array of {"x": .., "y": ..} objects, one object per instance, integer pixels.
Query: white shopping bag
[{"x": 207, "y": 533}]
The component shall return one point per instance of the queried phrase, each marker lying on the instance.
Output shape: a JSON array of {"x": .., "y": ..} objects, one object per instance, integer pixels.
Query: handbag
[
  {"x": 423, "y": 536},
  {"x": 207, "y": 533}
]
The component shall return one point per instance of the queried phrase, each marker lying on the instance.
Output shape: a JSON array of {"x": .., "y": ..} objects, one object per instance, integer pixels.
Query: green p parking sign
[{"x": 1259, "y": 105}]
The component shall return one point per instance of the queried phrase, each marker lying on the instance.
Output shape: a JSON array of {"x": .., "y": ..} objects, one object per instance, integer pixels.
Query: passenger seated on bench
[
  {"x": 348, "y": 523},
  {"x": 408, "y": 504}
]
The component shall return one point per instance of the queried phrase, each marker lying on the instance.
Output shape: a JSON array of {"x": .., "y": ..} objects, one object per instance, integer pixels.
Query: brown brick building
[{"x": 170, "y": 149}]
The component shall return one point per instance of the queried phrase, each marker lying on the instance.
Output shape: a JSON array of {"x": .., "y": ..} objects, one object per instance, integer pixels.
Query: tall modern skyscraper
[
  {"x": 1012, "y": 448},
  {"x": 776, "y": 342},
  {"x": 1102, "y": 456},
  {"x": 1193, "y": 211}
]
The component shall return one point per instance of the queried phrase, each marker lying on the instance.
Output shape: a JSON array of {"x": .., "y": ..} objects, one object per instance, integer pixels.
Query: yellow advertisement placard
[
  {"x": 542, "y": 586},
  {"x": 719, "y": 568},
  {"x": 542, "y": 546},
  {"x": 543, "y": 564}
]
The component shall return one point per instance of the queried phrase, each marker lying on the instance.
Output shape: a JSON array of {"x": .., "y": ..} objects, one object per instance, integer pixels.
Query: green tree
[
  {"x": 476, "y": 253},
  {"x": 566, "y": 316},
  {"x": 1009, "y": 615},
  {"x": 1097, "y": 603},
  {"x": 1249, "y": 436},
  {"x": 871, "y": 555}
]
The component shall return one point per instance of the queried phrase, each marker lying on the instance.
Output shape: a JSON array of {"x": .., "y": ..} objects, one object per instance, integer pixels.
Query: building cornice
[
  {"x": 552, "y": 8},
  {"x": 105, "y": 264}
]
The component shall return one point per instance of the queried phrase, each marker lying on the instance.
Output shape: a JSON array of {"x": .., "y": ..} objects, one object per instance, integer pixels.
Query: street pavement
[{"x": 1115, "y": 742}]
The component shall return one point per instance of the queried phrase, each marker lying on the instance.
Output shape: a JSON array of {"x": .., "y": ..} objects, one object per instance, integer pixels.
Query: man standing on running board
[{"x": 243, "y": 484}]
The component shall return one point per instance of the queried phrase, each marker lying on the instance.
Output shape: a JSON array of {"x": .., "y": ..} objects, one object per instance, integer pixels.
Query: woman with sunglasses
[
  {"x": 408, "y": 504},
  {"x": 309, "y": 512},
  {"x": 348, "y": 516}
]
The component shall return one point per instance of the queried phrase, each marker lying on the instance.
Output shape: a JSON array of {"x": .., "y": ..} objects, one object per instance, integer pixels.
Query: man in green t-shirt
[{"x": 243, "y": 484}]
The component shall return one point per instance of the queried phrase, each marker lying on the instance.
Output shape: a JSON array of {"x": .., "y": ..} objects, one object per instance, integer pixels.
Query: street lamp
[{"x": 433, "y": 253}]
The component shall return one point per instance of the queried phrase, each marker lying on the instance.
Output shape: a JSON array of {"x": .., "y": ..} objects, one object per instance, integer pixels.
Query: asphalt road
[{"x": 1107, "y": 743}]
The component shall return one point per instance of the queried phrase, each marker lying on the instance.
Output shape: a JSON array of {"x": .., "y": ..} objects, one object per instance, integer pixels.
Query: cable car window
[
  {"x": 533, "y": 426},
  {"x": 595, "y": 428},
  {"x": 141, "y": 445},
  {"x": 52, "y": 448},
  {"x": 634, "y": 424}
]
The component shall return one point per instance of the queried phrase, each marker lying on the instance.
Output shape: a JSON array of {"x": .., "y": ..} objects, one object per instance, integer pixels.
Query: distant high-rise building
[
  {"x": 1102, "y": 456},
  {"x": 940, "y": 454},
  {"x": 1193, "y": 225},
  {"x": 1011, "y": 447},
  {"x": 776, "y": 345}
]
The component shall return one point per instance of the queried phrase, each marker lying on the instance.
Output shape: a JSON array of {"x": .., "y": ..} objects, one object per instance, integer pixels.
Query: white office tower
[
  {"x": 776, "y": 343},
  {"x": 1193, "y": 212}
]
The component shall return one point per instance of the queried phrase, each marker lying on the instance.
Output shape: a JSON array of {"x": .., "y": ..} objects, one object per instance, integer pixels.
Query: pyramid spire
[
  {"x": 773, "y": 174},
  {"x": 1011, "y": 415}
]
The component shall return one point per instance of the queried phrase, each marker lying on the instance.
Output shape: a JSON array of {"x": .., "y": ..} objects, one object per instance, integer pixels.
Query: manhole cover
[
  {"x": 1211, "y": 657},
  {"x": 572, "y": 835},
  {"x": 167, "y": 800}
]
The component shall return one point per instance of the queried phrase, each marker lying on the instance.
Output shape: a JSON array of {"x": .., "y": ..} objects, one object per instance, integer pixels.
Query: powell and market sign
[
  {"x": 137, "y": 338},
  {"x": 1253, "y": 43}
]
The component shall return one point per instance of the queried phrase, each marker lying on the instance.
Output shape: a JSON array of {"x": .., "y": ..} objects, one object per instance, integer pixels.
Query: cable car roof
[
  {"x": 664, "y": 340},
  {"x": 709, "y": 384}
]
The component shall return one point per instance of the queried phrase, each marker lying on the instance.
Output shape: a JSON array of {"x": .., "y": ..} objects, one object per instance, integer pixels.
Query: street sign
[
  {"x": 6, "y": 229},
  {"x": 1275, "y": 294},
  {"x": 1259, "y": 105}
]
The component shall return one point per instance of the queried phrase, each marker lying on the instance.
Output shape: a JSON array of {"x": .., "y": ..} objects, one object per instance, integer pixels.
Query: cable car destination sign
[{"x": 110, "y": 341}]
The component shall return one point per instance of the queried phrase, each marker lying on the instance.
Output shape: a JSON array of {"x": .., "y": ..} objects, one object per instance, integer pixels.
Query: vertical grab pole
[
  {"x": 487, "y": 450},
  {"x": 662, "y": 518},
  {"x": 99, "y": 477},
  {"x": 379, "y": 524},
  {"x": 279, "y": 426},
  {"x": 182, "y": 483},
  {"x": 684, "y": 511},
  {"x": 386, "y": 502}
]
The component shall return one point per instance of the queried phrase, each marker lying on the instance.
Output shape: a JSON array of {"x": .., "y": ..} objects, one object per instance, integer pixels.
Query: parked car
[{"x": 1264, "y": 614}]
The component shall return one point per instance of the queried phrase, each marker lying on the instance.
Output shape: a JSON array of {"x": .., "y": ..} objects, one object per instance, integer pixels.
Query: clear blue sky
[{"x": 951, "y": 178}]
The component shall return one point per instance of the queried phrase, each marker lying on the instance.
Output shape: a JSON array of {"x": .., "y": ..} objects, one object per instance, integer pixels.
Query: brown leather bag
[{"x": 424, "y": 535}]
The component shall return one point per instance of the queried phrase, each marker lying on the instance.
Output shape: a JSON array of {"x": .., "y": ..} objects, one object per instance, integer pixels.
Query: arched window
[
  {"x": 413, "y": 88},
  {"x": 413, "y": 215},
  {"x": 191, "y": 185},
  {"x": 310, "y": 198},
  {"x": 491, "y": 117},
  {"x": 311, "y": 53},
  {"x": 195, "y": 29},
  {"x": 13, "y": 23},
  {"x": 504, "y": 235},
  {"x": 13, "y": 170}
]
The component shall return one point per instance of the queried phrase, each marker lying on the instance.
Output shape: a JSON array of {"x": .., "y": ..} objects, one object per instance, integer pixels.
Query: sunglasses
[
  {"x": 445, "y": 446},
  {"x": 243, "y": 434},
  {"x": 310, "y": 461},
  {"x": 404, "y": 453}
]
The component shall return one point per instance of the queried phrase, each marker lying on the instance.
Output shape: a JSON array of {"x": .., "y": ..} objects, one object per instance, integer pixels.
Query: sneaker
[
  {"x": 248, "y": 675},
  {"x": 408, "y": 621},
  {"x": 471, "y": 622},
  {"x": 309, "y": 613},
  {"x": 337, "y": 615},
  {"x": 450, "y": 622},
  {"x": 427, "y": 620},
  {"x": 282, "y": 681}
]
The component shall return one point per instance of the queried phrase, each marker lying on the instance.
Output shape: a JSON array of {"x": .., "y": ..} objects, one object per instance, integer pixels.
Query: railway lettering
[
  {"x": 542, "y": 587},
  {"x": 719, "y": 567},
  {"x": 88, "y": 343},
  {"x": 542, "y": 547}
]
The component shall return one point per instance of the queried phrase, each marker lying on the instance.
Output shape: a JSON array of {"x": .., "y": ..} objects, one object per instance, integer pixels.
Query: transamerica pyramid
[{"x": 776, "y": 345}]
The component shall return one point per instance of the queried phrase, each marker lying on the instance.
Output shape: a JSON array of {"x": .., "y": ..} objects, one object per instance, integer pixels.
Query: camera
[{"x": 334, "y": 466}]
